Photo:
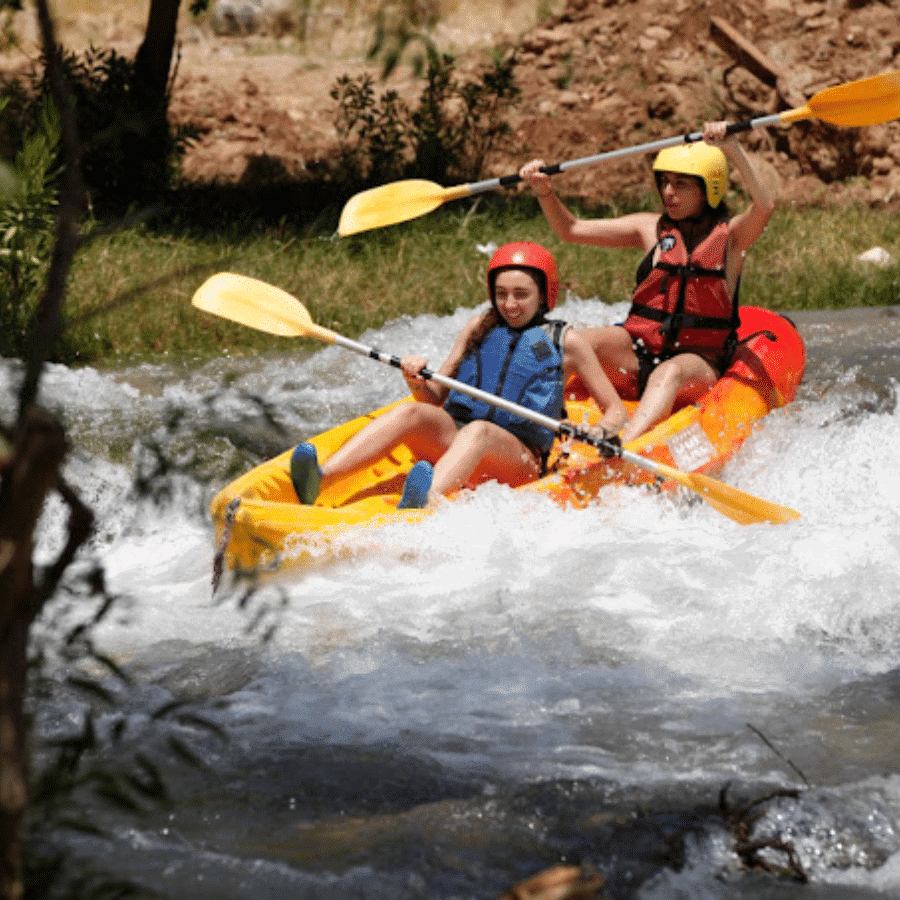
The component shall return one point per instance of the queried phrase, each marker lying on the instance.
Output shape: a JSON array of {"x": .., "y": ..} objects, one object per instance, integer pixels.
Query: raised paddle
[
  {"x": 267, "y": 308},
  {"x": 868, "y": 101}
]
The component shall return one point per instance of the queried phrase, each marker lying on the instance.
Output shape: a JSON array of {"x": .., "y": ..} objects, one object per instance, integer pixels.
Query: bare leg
[
  {"x": 684, "y": 377},
  {"x": 482, "y": 451},
  {"x": 428, "y": 430},
  {"x": 612, "y": 346}
]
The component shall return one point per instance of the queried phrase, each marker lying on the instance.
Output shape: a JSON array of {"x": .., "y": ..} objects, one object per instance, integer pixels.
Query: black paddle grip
[
  {"x": 510, "y": 180},
  {"x": 396, "y": 362},
  {"x": 734, "y": 128}
]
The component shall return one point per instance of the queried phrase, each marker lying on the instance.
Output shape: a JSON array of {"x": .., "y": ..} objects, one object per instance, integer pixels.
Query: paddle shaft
[
  {"x": 478, "y": 187},
  {"x": 737, "y": 505},
  {"x": 557, "y": 427},
  {"x": 868, "y": 101}
]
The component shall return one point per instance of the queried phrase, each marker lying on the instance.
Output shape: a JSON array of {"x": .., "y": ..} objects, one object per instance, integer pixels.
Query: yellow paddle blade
[
  {"x": 396, "y": 202},
  {"x": 869, "y": 101},
  {"x": 253, "y": 303},
  {"x": 739, "y": 506}
]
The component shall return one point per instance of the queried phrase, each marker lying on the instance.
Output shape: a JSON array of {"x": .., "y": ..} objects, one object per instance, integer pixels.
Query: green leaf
[{"x": 9, "y": 184}]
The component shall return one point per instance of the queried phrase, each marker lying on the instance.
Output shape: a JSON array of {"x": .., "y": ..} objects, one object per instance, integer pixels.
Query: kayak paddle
[
  {"x": 264, "y": 307},
  {"x": 868, "y": 101}
]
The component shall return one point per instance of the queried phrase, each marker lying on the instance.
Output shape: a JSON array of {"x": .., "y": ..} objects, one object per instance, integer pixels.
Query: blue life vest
[{"x": 525, "y": 367}]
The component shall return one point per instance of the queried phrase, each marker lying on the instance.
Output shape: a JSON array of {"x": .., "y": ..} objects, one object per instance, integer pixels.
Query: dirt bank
[{"x": 599, "y": 75}]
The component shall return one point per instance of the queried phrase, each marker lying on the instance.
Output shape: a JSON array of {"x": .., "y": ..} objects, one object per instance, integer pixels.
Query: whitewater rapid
[{"x": 631, "y": 647}]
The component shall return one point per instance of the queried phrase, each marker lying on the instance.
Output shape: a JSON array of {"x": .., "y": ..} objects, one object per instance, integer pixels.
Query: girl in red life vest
[
  {"x": 681, "y": 330},
  {"x": 513, "y": 351}
]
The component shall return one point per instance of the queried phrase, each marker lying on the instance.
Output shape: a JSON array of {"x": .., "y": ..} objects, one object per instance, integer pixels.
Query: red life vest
[{"x": 683, "y": 305}]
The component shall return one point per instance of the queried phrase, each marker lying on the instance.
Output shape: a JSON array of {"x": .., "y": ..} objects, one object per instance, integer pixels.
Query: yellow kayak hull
[{"x": 259, "y": 522}]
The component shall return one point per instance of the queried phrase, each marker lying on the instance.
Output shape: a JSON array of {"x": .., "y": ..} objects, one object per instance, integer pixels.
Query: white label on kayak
[{"x": 691, "y": 448}]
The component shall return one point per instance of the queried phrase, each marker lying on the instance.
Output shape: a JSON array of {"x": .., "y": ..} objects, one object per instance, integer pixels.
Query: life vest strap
[
  {"x": 717, "y": 323},
  {"x": 763, "y": 332},
  {"x": 689, "y": 270}
]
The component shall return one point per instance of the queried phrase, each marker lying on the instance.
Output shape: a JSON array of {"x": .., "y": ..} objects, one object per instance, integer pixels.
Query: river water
[{"x": 460, "y": 703}]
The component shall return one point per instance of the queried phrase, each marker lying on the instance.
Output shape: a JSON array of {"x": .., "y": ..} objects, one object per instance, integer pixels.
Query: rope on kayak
[{"x": 219, "y": 559}]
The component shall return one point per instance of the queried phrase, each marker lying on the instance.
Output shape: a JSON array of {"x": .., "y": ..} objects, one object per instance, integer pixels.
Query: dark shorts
[
  {"x": 648, "y": 361},
  {"x": 542, "y": 455}
]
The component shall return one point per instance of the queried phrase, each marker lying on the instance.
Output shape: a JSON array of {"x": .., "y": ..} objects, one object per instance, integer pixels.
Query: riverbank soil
[{"x": 594, "y": 75}]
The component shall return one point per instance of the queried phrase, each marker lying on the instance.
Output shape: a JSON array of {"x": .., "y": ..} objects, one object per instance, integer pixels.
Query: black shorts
[
  {"x": 541, "y": 454},
  {"x": 648, "y": 361}
]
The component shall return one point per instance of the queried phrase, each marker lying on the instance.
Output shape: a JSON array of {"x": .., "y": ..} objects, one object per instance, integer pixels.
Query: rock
[
  {"x": 882, "y": 165},
  {"x": 235, "y": 17},
  {"x": 877, "y": 256},
  {"x": 658, "y": 33},
  {"x": 664, "y": 100},
  {"x": 541, "y": 40},
  {"x": 804, "y": 191}
]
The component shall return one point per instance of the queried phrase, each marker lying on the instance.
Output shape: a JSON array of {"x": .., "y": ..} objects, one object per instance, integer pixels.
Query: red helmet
[{"x": 525, "y": 255}]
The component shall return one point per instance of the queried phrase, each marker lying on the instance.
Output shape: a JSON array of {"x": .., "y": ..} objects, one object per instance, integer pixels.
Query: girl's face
[
  {"x": 682, "y": 195},
  {"x": 517, "y": 297}
]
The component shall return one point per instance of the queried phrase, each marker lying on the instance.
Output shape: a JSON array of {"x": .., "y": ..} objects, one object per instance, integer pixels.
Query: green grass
[
  {"x": 129, "y": 297},
  {"x": 807, "y": 259}
]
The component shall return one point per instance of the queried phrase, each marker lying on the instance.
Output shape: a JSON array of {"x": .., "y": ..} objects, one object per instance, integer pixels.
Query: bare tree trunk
[{"x": 154, "y": 56}]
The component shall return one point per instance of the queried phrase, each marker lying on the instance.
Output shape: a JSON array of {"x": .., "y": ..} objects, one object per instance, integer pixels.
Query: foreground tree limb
[
  {"x": 49, "y": 320},
  {"x": 29, "y": 470},
  {"x": 30, "y": 475}
]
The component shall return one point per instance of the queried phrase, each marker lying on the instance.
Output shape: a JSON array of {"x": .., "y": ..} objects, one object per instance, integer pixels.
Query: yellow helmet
[{"x": 701, "y": 160}]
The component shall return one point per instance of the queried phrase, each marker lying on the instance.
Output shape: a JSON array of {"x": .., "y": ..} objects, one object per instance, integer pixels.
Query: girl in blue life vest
[
  {"x": 513, "y": 351},
  {"x": 682, "y": 328}
]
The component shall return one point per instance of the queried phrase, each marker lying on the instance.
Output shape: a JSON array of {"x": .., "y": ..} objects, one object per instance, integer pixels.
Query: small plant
[
  {"x": 373, "y": 131},
  {"x": 27, "y": 229},
  {"x": 400, "y": 23},
  {"x": 446, "y": 135}
]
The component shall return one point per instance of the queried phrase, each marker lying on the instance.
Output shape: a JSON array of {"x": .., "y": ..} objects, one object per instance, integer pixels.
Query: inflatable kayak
[{"x": 260, "y": 523}]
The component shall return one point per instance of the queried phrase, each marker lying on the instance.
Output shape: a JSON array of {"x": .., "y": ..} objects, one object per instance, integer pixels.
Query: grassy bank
[{"x": 130, "y": 292}]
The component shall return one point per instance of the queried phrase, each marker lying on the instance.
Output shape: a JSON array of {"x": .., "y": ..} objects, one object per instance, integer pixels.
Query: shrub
[
  {"x": 27, "y": 229},
  {"x": 446, "y": 135},
  {"x": 131, "y": 154}
]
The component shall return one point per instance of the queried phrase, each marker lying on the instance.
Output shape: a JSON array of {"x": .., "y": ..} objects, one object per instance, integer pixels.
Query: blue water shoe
[
  {"x": 306, "y": 475},
  {"x": 417, "y": 486}
]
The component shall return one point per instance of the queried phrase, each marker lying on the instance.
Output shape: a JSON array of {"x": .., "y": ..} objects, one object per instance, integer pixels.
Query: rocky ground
[{"x": 598, "y": 75}]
